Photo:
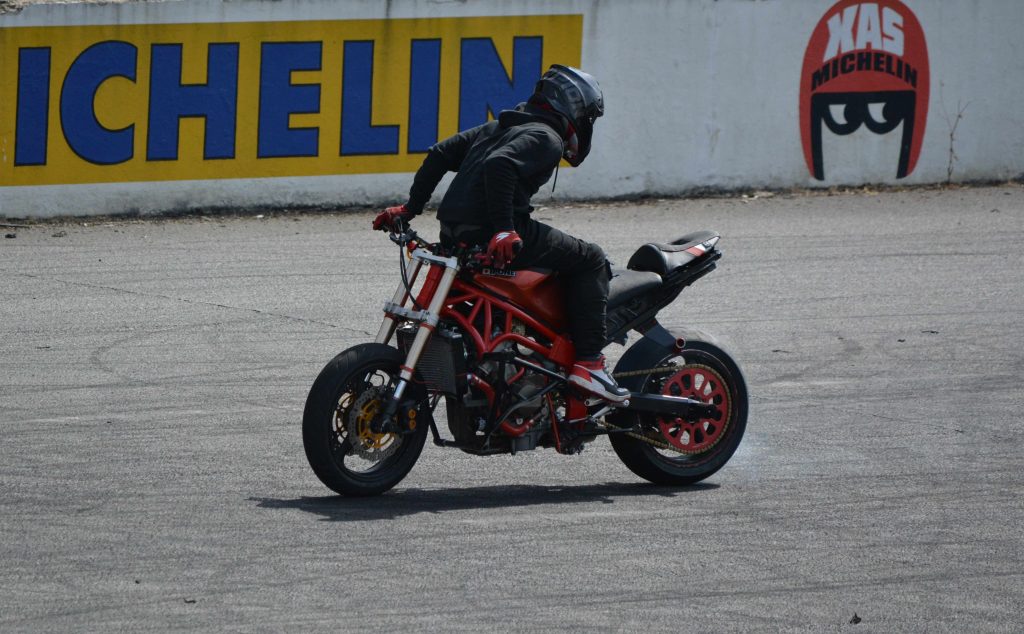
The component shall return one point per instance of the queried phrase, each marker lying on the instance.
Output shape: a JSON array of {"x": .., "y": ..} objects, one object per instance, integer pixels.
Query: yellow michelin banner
[{"x": 152, "y": 102}]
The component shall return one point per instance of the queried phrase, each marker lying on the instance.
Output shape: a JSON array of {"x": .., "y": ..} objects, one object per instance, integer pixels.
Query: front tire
[
  {"x": 342, "y": 449},
  {"x": 685, "y": 452}
]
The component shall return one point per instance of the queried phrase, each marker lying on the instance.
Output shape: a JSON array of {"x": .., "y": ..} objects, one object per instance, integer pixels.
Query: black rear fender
[{"x": 658, "y": 344}]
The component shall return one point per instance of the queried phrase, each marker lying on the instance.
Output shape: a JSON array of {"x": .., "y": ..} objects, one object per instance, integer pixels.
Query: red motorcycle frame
[{"x": 491, "y": 291}]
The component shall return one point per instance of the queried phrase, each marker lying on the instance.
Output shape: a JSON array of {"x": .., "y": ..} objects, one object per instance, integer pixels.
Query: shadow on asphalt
[{"x": 403, "y": 502}]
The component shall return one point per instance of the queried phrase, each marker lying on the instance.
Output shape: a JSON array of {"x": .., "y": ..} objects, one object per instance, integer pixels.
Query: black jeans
[{"x": 581, "y": 265}]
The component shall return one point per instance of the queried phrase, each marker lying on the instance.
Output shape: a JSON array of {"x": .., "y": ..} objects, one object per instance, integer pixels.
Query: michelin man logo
[{"x": 866, "y": 65}]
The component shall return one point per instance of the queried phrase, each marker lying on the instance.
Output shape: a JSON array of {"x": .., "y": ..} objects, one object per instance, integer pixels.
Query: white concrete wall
[{"x": 699, "y": 94}]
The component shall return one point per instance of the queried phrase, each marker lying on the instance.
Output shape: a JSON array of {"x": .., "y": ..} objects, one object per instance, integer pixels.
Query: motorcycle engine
[{"x": 468, "y": 416}]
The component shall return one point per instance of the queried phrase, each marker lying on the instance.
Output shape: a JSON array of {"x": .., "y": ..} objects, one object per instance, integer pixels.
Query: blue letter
[
  {"x": 85, "y": 135},
  {"x": 358, "y": 136},
  {"x": 170, "y": 100},
  {"x": 483, "y": 85},
  {"x": 279, "y": 98},
  {"x": 33, "y": 106},
  {"x": 424, "y": 94}
]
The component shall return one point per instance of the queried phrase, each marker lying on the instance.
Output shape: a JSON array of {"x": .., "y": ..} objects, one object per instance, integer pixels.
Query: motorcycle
[{"x": 493, "y": 344}]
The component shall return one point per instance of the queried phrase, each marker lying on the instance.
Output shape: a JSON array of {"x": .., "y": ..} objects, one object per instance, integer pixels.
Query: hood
[{"x": 529, "y": 113}]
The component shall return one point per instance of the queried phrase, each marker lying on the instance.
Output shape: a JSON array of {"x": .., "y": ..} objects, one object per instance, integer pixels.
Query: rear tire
[
  {"x": 708, "y": 444},
  {"x": 341, "y": 448}
]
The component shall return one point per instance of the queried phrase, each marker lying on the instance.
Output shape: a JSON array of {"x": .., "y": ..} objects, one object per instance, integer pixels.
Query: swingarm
[{"x": 676, "y": 406}]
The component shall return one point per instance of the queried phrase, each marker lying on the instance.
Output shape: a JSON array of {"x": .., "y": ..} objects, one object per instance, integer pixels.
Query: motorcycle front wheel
[
  {"x": 674, "y": 451},
  {"x": 342, "y": 448}
]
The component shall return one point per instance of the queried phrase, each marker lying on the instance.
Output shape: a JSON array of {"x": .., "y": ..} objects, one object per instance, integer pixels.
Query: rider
[{"x": 499, "y": 166}]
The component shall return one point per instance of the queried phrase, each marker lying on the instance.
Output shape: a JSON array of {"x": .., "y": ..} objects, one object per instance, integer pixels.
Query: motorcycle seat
[
  {"x": 626, "y": 284},
  {"x": 664, "y": 259}
]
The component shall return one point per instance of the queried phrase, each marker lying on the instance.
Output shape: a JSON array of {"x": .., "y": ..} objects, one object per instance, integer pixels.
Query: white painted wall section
[{"x": 699, "y": 94}]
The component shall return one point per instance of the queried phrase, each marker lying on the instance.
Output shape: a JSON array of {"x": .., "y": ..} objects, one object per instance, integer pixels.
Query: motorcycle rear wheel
[
  {"x": 344, "y": 452},
  {"x": 686, "y": 451}
]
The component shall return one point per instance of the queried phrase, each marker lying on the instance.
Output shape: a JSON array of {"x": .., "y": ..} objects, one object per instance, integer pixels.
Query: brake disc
[{"x": 365, "y": 442}]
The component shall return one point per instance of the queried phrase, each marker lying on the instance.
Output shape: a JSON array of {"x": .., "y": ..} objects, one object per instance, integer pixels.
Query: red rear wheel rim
[{"x": 704, "y": 384}]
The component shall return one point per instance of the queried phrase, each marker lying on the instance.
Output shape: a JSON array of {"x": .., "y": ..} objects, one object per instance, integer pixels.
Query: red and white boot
[{"x": 593, "y": 378}]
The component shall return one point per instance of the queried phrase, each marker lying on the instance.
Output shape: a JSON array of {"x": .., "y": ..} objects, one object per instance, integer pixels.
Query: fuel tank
[{"x": 538, "y": 293}]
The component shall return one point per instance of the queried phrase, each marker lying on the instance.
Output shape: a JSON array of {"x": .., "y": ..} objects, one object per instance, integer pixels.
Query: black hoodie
[{"x": 501, "y": 165}]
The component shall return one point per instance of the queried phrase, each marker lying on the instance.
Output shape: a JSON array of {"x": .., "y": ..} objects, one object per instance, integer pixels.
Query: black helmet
[{"x": 576, "y": 96}]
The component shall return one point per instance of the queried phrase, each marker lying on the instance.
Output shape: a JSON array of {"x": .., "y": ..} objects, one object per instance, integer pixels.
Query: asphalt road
[{"x": 152, "y": 477}]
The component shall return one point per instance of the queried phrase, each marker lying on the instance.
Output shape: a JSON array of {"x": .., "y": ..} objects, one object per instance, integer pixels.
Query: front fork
[
  {"x": 400, "y": 299},
  {"x": 428, "y": 318}
]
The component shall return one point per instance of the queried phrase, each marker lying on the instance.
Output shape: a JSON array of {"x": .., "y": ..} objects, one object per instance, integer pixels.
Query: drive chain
[
  {"x": 661, "y": 370},
  {"x": 647, "y": 439}
]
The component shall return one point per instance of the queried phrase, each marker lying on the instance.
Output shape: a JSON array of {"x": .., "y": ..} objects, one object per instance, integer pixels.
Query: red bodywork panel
[{"x": 539, "y": 294}]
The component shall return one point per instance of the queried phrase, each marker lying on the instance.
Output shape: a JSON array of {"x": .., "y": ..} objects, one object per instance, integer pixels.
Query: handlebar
[{"x": 471, "y": 257}]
